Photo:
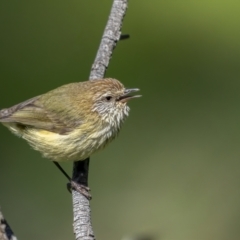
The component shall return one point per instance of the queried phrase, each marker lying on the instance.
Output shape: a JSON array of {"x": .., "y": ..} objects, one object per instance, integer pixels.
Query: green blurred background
[{"x": 174, "y": 172}]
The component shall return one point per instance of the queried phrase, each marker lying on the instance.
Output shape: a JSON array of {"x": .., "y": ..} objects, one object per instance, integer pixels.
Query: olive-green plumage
[{"x": 73, "y": 121}]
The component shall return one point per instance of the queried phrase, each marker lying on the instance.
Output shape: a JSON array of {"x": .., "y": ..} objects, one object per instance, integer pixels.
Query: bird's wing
[{"x": 32, "y": 113}]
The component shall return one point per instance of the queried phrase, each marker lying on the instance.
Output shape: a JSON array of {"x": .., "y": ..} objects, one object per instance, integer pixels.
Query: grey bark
[
  {"x": 82, "y": 225},
  {"x": 111, "y": 36}
]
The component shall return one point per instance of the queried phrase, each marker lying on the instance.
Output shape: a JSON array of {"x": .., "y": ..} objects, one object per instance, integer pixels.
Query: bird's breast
[{"x": 78, "y": 144}]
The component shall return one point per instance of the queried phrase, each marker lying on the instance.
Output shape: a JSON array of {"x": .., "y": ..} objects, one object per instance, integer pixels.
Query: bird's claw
[{"x": 84, "y": 190}]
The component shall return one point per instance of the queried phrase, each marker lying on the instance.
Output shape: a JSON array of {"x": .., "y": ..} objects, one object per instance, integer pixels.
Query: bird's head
[{"x": 110, "y": 99}]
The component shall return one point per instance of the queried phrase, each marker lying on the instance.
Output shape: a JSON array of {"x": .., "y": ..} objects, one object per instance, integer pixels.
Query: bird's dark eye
[{"x": 108, "y": 98}]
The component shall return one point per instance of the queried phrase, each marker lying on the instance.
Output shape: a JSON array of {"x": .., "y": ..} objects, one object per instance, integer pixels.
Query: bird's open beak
[{"x": 127, "y": 95}]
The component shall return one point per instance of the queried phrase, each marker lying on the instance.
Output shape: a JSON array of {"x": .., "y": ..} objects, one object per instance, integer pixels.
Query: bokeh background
[{"x": 174, "y": 171}]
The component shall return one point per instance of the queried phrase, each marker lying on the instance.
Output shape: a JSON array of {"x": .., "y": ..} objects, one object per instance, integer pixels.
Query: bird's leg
[{"x": 84, "y": 190}]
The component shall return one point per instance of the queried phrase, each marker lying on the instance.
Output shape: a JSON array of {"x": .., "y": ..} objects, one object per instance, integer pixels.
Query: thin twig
[
  {"x": 111, "y": 36},
  {"x": 82, "y": 225},
  {"x": 6, "y": 232},
  {"x": 124, "y": 36}
]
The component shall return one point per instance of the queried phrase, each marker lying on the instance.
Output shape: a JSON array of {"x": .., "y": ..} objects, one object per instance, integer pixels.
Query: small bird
[{"x": 73, "y": 121}]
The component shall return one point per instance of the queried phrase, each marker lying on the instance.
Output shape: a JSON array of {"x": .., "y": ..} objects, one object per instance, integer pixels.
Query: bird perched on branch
[{"x": 73, "y": 121}]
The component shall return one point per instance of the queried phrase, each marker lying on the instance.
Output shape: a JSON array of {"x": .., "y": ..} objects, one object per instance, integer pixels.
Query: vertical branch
[
  {"x": 111, "y": 36},
  {"x": 81, "y": 206}
]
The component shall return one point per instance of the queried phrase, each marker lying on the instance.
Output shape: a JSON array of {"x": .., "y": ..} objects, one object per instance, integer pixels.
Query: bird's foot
[{"x": 84, "y": 190}]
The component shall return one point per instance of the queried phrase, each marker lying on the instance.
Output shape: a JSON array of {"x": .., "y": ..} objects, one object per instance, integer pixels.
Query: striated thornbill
[{"x": 73, "y": 121}]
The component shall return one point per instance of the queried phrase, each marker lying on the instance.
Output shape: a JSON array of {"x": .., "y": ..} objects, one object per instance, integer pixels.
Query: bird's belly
[{"x": 71, "y": 147}]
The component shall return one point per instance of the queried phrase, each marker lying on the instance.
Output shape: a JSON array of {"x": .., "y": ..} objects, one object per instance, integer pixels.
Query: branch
[
  {"x": 6, "y": 232},
  {"x": 82, "y": 225},
  {"x": 111, "y": 36}
]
